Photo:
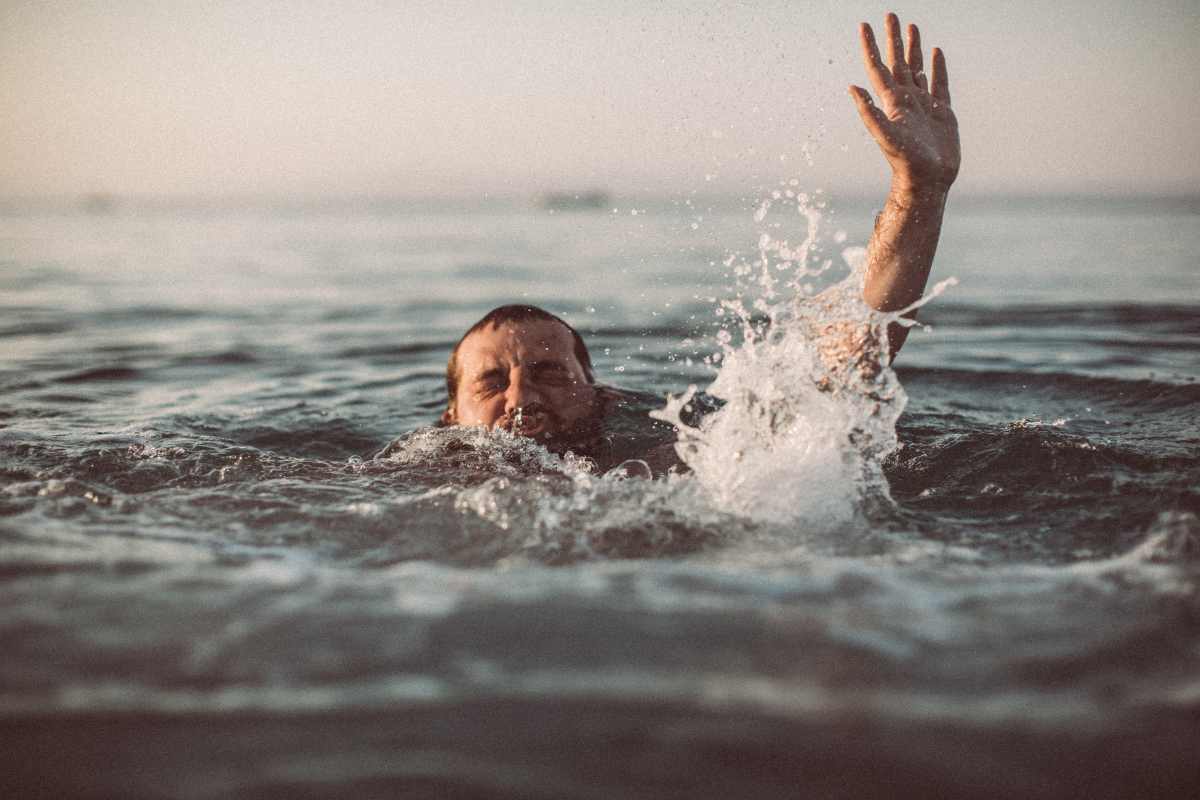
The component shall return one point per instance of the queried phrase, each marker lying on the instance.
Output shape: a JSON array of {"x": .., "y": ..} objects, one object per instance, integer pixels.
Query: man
[{"x": 526, "y": 371}]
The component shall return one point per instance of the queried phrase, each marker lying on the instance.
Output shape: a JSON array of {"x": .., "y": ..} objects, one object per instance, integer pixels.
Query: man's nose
[{"x": 521, "y": 393}]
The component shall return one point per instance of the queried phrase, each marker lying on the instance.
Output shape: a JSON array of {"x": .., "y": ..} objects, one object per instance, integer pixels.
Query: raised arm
[{"x": 918, "y": 134}]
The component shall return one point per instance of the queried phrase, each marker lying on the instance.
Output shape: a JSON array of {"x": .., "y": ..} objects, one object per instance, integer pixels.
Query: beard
[
  {"x": 548, "y": 428},
  {"x": 535, "y": 421}
]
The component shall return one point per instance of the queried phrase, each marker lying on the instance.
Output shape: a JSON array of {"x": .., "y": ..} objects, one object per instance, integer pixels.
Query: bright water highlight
[{"x": 975, "y": 575}]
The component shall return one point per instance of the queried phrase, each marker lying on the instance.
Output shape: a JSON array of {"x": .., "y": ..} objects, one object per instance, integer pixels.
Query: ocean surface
[{"x": 976, "y": 576}]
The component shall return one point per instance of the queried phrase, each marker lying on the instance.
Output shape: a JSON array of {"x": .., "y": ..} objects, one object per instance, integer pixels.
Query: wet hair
[{"x": 514, "y": 313}]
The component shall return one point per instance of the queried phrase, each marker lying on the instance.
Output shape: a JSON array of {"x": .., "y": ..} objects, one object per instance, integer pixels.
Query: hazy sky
[{"x": 448, "y": 98}]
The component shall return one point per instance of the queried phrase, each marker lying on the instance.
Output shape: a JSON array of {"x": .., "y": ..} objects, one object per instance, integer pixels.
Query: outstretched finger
[
  {"x": 872, "y": 115},
  {"x": 880, "y": 77},
  {"x": 939, "y": 80},
  {"x": 916, "y": 61},
  {"x": 899, "y": 66}
]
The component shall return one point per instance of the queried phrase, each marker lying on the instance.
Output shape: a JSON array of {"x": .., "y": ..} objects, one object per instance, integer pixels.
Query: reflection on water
[{"x": 210, "y": 587}]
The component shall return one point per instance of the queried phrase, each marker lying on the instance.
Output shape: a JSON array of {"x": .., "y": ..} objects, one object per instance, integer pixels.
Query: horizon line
[{"x": 275, "y": 198}]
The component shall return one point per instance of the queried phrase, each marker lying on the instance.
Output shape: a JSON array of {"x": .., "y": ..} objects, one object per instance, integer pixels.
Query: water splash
[
  {"x": 464, "y": 453},
  {"x": 810, "y": 402},
  {"x": 523, "y": 503},
  {"x": 808, "y": 412}
]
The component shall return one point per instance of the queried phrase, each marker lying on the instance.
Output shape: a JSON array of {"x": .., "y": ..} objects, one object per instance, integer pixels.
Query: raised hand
[{"x": 913, "y": 122}]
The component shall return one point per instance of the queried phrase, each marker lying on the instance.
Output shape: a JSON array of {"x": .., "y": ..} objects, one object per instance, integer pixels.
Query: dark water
[{"x": 209, "y": 588}]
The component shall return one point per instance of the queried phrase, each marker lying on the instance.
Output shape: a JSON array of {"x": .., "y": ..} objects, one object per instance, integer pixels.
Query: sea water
[{"x": 975, "y": 575}]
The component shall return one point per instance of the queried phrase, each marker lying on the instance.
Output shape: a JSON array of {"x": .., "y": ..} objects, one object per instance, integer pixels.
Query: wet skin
[
  {"x": 917, "y": 132},
  {"x": 522, "y": 377}
]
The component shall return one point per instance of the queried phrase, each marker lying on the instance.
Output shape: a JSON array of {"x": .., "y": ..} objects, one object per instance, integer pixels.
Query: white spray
[{"x": 810, "y": 403}]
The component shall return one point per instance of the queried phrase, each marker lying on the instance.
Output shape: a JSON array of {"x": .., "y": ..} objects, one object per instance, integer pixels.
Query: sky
[{"x": 510, "y": 98}]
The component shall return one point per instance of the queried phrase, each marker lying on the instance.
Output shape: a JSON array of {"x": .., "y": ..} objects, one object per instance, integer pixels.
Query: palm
[{"x": 913, "y": 123}]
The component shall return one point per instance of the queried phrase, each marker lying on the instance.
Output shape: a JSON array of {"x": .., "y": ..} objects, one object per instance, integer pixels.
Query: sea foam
[{"x": 809, "y": 400}]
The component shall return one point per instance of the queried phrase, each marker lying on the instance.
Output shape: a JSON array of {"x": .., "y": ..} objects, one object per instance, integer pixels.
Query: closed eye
[
  {"x": 554, "y": 373},
  {"x": 494, "y": 380}
]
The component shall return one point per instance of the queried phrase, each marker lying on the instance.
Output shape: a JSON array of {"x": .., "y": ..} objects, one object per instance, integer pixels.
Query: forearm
[{"x": 900, "y": 254}]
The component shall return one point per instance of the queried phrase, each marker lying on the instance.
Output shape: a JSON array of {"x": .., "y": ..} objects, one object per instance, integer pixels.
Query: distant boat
[
  {"x": 592, "y": 200},
  {"x": 98, "y": 203}
]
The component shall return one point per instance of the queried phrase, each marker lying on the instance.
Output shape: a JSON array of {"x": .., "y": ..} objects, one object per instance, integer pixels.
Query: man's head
[{"x": 522, "y": 369}]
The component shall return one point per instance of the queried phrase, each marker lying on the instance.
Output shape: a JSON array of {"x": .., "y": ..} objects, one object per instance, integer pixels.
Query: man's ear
[{"x": 449, "y": 417}]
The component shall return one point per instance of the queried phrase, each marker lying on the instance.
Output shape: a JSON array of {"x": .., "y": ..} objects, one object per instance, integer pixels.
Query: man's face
[{"x": 522, "y": 377}]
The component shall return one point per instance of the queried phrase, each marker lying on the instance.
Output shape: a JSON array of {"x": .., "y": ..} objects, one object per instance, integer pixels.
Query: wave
[
  {"x": 102, "y": 374},
  {"x": 1173, "y": 318},
  {"x": 1025, "y": 454},
  {"x": 1137, "y": 395}
]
